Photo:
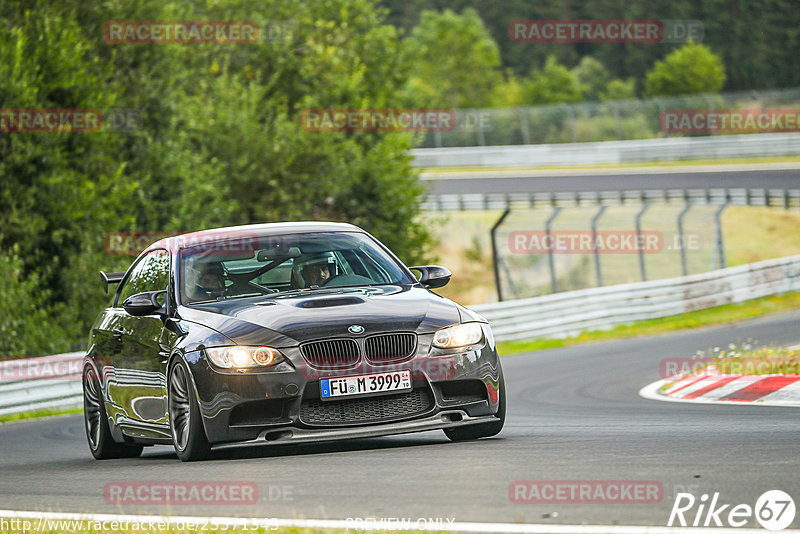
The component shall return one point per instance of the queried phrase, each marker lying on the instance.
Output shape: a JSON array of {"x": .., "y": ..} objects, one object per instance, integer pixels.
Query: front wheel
[
  {"x": 482, "y": 430},
  {"x": 188, "y": 434},
  {"x": 101, "y": 443}
]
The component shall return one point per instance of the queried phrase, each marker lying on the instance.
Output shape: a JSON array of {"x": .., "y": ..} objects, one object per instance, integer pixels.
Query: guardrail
[
  {"x": 602, "y": 308},
  {"x": 611, "y": 152},
  {"x": 51, "y": 382},
  {"x": 778, "y": 198},
  {"x": 54, "y": 381}
]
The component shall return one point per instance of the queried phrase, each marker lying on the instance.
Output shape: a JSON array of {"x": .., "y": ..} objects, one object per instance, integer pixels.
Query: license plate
[{"x": 365, "y": 384}]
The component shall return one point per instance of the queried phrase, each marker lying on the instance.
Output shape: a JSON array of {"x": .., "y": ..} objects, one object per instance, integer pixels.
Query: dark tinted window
[
  {"x": 274, "y": 264},
  {"x": 151, "y": 273}
]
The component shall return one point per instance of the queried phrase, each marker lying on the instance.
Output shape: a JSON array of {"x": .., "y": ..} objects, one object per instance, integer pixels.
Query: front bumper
[
  {"x": 442, "y": 420},
  {"x": 272, "y": 406}
]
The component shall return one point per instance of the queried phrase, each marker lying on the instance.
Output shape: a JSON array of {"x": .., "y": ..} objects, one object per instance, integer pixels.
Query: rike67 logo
[{"x": 774, "y": 510}]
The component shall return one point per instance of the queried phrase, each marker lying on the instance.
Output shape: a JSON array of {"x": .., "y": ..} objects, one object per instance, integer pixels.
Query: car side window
[
  {"x": 155, "y": 273},
  {"x": 151, "y": 273}
]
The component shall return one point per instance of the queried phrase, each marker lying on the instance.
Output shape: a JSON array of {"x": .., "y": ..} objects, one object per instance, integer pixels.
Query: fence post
[
  {"x": 550, "y": 260},
  {"x": 642, "y": 268},
  {"x": 479, "y": 128},
  {"x": 617, "y": 120},
  {"x": 719, "y": 245},
  {"x": 681, "y": 238},
  {"x": 573, "y": 126},
  {"x": 523, "y": 126},
  {"x": 495, "y": 254},
  {"x": 597, "y": 269}
]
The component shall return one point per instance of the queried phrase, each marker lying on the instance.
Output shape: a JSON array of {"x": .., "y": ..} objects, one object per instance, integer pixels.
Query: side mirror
[
  {"x": 146, "y": 303},
  {"x": 433, "y": 276}
]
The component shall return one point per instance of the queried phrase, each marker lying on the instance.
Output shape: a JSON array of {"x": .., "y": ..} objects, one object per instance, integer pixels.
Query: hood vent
[{"x": 327, "y": 302}]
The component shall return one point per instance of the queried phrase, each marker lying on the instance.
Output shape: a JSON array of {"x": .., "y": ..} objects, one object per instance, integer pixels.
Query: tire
[
  {"x": 186, "y": 426},
  {"x": 101, "y": 443},
  {"x": 482, "y": 430}
]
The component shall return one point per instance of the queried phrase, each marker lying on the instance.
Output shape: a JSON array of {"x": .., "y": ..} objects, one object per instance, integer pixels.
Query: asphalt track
[
  {"x": 782, "y": 176},
  {"x": 573, "y": 414}
]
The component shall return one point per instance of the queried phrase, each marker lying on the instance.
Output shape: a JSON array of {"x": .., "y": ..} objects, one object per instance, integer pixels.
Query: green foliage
[
  {"x": 592, "y": 77},
  {"x": 508, "y": 92},
  {"x": 758, "y": 40},
  {"x": 617, "y": 89},
  {"x": 220, "y": 142},
  {"x": 554, "y": 84},
  {"x": 692, "y": 69},
  {"x": 454, "y": 61},
  {"x": 28, "y": 327}
]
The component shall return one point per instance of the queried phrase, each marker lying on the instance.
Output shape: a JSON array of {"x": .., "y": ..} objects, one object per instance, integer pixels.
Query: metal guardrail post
[
  {"x": 572, "y": 122},
  {"x": 681, "y": 237},
  {"x": 597, "y": 268},
  {"x": 550, "y": 260},
  {"x": 481, "y": 137},
  {"x": 523, "y": 126},
  {"x": 617, "y": 120},
  {"x": 719, "y": 244},
  {"x": 642, "y": 267},
  {"x": 437, "y": 138},
  {"x": 495, "y": 255}
]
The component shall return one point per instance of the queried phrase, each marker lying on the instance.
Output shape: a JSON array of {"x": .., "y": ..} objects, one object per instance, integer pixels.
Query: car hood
[{"x": 287, "y": 320}]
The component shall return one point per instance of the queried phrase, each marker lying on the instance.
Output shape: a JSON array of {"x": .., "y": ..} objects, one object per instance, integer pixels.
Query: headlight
[
  {"x": 239, "y": 357},
  {"x": 460, "y": 335}
]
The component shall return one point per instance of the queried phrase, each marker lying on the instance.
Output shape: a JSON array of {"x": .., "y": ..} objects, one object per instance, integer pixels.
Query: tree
[
  {"x": 617, "y": 89},
  {"x": 691, "y": 69},
  {"x": 554, "y": 84},
  {"x": 220, "y": 140},
  {"x": 592, "y": 77},
  {"x": 453, "y": 60},
  {"x": 58, "y": 189},
  {"x": 508, "y": 92}
]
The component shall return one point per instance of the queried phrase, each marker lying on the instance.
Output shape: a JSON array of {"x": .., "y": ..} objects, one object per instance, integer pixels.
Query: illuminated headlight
[
  {"x": 460, "y": 335},
  {"x": 240, "y": 357}
]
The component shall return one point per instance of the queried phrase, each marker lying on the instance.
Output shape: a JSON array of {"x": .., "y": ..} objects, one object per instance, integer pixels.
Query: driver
[
  {"x": 210, "y": 282},
  {"x": 316, "y": 274}
]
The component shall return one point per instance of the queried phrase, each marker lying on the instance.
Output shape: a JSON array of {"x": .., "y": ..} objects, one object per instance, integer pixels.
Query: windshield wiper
[{"x": 293, "y": 291}]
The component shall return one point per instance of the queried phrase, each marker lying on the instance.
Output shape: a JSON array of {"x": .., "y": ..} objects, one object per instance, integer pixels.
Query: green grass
[
  {"x": 728, "y": 313},
  {"x": 746, "y": 359},
  {"x": 36, "y": 413},
  {"x": 678, "y": 163}
]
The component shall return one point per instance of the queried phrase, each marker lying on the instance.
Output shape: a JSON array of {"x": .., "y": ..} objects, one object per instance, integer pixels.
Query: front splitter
[{"x": 442, "y": 420}]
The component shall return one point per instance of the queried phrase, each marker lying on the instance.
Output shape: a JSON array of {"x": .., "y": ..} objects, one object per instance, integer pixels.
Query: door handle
[{"x": 119, "y": 332}]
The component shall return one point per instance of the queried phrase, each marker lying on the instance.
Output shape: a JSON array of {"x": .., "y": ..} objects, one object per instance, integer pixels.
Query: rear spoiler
[{"x": 110, "y": 278}]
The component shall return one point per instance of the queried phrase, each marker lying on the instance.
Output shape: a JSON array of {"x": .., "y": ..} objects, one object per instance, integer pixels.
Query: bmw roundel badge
[{"x": 356, "y": 329}]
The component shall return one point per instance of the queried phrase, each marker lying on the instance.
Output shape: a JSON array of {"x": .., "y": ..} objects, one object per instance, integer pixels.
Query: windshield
[{"x": 247, "y": 267}]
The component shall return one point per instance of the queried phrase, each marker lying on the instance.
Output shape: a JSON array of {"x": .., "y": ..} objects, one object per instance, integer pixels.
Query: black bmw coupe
[{"x": 282, "y": 333}]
